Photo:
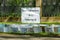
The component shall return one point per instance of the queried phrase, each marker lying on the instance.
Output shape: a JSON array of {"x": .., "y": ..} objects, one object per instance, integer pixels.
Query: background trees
[
  {"x": 51, "y": 8},
  {"x": 13, "y": 7}
]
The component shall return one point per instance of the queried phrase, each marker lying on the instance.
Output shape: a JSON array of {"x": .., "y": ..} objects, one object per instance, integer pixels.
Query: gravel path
[
  {"x": 42, "y": 38},
  {"x": 25, "y": 37}
]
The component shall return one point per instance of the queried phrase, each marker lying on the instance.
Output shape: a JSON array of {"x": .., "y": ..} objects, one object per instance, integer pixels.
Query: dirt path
[
  {"x": 42, "y": 38},
  {"x": 25, "y": 37}
]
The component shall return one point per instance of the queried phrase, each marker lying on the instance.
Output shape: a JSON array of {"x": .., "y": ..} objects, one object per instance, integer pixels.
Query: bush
[{"x": 53, "y": 34}]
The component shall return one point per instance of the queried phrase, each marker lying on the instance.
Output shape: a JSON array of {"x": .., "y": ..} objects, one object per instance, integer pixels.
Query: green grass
[
  {"x": 50, "y": 22},
  {"x": 30, "y": 23},
  {"x": 10, "y": 23}
]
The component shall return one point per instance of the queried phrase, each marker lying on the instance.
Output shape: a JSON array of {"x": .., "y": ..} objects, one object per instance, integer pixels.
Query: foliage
[
  {"x": 51, "y": 8},
  {"x": 13, "y": 7}
]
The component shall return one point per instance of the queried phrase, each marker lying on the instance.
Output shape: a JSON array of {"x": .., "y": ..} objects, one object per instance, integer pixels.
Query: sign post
[{"x": 30, "y": 15}]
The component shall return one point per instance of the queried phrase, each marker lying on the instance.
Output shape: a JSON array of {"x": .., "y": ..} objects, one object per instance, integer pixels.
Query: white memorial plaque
[{"x": 30, "y": 15}]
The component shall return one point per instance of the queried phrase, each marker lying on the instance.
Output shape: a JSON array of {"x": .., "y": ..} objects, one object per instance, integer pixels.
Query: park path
[{"x": 25, "y": 37}]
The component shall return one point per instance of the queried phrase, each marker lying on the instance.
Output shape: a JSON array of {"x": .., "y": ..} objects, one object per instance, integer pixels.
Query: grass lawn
[
  {"x": 50, "y": 22},
  {"x": 10, "y": 23},
  {"x": 30, "y": 23}
]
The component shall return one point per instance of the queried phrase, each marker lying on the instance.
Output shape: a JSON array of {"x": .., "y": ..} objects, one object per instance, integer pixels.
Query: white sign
[{"x": 30, "y": 15}]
